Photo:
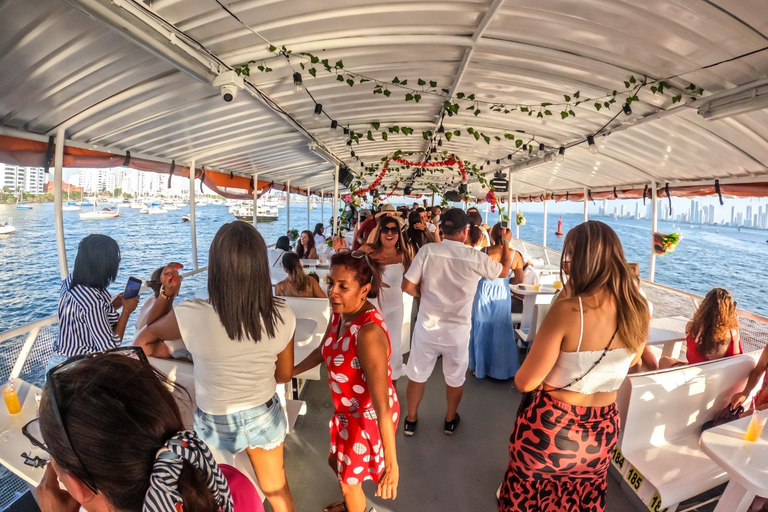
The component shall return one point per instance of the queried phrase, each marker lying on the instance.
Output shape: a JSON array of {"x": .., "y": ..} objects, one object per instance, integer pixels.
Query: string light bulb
[
  {"x": 318, "y": 111},
  {"x": 334, "y": 124},
  {"x": 560, "y": 155},
  {"x": 298, "y": 83},
  {"x": 542, "y": 150},
  {"x": 592, "y": 146}
]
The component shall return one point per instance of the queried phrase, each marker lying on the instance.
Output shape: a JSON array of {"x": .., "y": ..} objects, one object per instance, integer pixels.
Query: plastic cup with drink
[
  {"x": 756, "y": 425},
  {"x": 536, "y": 287},
  {"x": 11, "y": 398},
  {"x": 557, "y": 285}
]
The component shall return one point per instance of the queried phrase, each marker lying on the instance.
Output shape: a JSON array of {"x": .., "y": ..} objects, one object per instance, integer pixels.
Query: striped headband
[{"x": 163, "y": 494}]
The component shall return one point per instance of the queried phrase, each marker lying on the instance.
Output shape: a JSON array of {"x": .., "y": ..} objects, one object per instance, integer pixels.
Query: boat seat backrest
[
  {"x": 181, "y": 374},
  {"x": 657, "y": 408},
  {"x": 317, "y": 310}
]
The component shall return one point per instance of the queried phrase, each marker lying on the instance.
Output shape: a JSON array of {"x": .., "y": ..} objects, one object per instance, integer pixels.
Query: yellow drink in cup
[
  {"x": 11, "y": 400},
  {"x": 557, "y": 285},
  {"x": 536, "y": 287},
  {"x": 756, "y": 425}
]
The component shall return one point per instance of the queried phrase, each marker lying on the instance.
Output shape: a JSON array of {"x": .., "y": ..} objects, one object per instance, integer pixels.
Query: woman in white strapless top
[
  {"x": 583, "y": 350},
  {"x": 389, "y": 251}
]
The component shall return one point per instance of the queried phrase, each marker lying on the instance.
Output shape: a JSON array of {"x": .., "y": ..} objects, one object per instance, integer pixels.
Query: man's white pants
[{"x": 424, "y": 353}]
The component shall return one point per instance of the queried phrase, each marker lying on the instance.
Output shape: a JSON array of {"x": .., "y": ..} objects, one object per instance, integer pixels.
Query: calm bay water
[{"x": 29, "y": 275}]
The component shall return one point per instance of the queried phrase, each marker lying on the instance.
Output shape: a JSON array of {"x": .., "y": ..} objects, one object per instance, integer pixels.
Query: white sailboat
[
  {"x": 7, "y": 228},
  {"x": 20, "y": 204},
  {"x": 104, "y": 213}
]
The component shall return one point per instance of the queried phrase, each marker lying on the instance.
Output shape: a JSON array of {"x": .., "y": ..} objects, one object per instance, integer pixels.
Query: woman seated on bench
[
  {"x": 297, "y": 284},
  {"x": 713, "y": 333},
  {"x": 125, "y": 447}
]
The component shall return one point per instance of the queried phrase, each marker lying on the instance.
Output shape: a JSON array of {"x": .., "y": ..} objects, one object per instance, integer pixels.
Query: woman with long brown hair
[
  {"x": 297, "y": 284},
  {"x": 305, "y": 248},
  {"x": 241, "y": 339},
  {"x": 389, "y": 251},
  {"x": 713, "y": 333},
  {"x": 567, "y": 424}
]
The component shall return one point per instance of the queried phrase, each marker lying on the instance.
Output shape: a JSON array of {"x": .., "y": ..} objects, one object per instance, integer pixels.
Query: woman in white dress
[{"x": 389, "y": 251}]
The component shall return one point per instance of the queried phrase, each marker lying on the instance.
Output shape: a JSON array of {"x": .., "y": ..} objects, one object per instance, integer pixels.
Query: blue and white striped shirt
[{"x": 86, "y": 321}]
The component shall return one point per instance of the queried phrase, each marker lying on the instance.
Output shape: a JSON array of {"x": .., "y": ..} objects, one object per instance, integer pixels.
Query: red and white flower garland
[{"x": 443, "y": 163}]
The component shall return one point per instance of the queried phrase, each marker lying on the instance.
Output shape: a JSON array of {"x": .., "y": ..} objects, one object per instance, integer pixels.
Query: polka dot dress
[{"x": 355, "y": 439}]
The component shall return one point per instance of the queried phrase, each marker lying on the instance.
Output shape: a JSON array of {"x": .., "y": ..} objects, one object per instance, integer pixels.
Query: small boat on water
[
  {"x": 21, "y": 205},
  {"x": 137, "y": 206},
  {"x": 263, "y": 213},
  {"x": 7, "y": 228},
  {"x": 70, "y": 207},
  {"x": 155, "y": 210},
  {"x": 104, "y": 213},
  {"x": 185, "y": 217}
]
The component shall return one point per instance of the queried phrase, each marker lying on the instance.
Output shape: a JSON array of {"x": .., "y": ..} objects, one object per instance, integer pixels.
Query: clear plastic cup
[
  {"x": 756, "y": 426},
  {"x": 11, "y": 399},
  {"x": 557, "y": 285},
  {"x": 536, "y": 287}
]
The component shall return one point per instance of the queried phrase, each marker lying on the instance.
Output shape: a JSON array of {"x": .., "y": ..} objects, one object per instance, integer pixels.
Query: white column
[
  {"x": 509, "y": 196},
  {"x": 544, "y": 235},
  {"x": 586, "y": 206},
  {"x": 288, "y": 204},
  {"x": 654, "y": 228},
  {"x": 336, "y": 201},
  {"x": 255, "y": 200},
  {"x": 517, "y": 210},
  {"x": 308, "y": 228},
  {"x": 322, "y": 207},
  {"x": 58, "y": 196},
  {"x": 192, "y": 218}
]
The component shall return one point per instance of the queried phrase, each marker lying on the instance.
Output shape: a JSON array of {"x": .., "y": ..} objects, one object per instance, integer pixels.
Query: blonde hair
[
  {"x": 597, "y": 262},
  {"x": 712, "y": 323}
]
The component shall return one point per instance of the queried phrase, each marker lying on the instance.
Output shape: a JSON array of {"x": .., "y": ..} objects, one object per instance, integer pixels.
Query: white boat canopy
[{"x": 130, "y": 76}]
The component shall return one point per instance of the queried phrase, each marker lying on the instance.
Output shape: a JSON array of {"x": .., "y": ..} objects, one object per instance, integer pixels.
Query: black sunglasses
[
  {"x": 389, "y": 230},
  {"x": 359, "y": 255},
  {"x": 81, "y": 472}
]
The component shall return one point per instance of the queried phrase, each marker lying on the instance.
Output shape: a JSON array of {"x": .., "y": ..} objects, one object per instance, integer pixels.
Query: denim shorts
[
  {"x": 263, "y": 427},
  {"x": 55, "y": 360}
]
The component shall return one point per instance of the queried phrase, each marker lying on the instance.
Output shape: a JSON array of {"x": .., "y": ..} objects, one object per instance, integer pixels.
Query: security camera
[
  {"x": 228, "y": 83},
  {"x": 228, "y": 92}
]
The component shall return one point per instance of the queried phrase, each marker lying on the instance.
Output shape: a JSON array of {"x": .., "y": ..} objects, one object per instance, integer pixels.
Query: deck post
[
  {"x": 308, "y": 228},
  {"x": 586, "y": 205},
  {"x": 654, "y": 228},
  {"x": 322, "y": 207},
  {"x": 544, "y": 235},
  {"x": 517, "y": 210},
  {"x": 509, "y": 197},
  {"x": 192, "y": 218},
  {"x": 336, "y": 201},
  {"x": 486, "y": 213},
  {"x": 58, "y": 160},
  {"x": 255, "y": 220},
  {"x": 288, "y": 204}
]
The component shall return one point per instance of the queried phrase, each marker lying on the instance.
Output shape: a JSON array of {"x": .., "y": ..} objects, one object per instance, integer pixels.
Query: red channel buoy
[{"x": 559, "y": 231}]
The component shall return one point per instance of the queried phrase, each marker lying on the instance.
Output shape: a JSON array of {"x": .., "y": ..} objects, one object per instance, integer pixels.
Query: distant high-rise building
[
  {"x": 711, "y": 215},
  {"x": 733, "y": 215},
  {"x": 27, "y": 179},
  {"x": 748, "y": 218}
]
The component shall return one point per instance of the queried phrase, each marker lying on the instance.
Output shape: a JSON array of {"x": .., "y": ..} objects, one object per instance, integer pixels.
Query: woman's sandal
[{"x": 337, "y": 506}]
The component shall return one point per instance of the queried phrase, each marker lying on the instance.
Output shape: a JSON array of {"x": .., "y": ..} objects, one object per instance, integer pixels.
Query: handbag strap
[{"x": 605, "y": 351}]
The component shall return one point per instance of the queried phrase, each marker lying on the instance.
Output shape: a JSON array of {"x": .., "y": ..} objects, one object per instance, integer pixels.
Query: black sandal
[{"x": 336, "y": 506}]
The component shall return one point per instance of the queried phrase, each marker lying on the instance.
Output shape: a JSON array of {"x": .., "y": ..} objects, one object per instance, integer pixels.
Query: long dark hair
[
  {"x": 119, "y": 412},
  {"x": 712, "y": 323},
  {"x": 596, "y": 260},
  {"x": 97, "y": 262},
  {"x": 475, "y": 235},
  {"x": 318, "y": 229},
  {"x": 497, "y": 234},
  {"x": 283, "y": 243},
  {"x": 415, "y": 238},
  {"x": 401, "y": 248},
  {"x": 365, "y": 269},
  {"x": 292, "y": 265},
  {"x": 302, "y": 251},
  {"x": 239, "y": 284}
]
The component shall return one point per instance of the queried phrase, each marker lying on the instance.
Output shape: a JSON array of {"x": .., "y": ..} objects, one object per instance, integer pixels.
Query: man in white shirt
[{"x": 445, "y": 276}]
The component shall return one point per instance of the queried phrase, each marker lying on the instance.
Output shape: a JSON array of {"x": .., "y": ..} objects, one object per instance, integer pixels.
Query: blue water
[{"x": 29, "y": 275}]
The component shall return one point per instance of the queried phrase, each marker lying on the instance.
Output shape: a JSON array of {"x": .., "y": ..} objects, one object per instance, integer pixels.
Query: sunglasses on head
[
  {"x": 359, "y": 255},
  {"x": 33, "y": 434}
]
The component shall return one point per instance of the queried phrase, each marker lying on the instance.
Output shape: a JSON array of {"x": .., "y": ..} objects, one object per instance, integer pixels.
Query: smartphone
[
  {"x": 505, "y": 224},
  {"x": 132, "y": 288}
]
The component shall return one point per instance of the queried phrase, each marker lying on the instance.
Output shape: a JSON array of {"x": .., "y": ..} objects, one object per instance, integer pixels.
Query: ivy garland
[{"x": 468, "y": 101}]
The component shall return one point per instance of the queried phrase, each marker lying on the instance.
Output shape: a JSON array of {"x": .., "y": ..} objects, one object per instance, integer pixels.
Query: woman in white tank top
[{"x": 567, "y": 425}]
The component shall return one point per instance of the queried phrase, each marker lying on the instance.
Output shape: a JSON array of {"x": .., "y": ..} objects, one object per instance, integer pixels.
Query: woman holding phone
[{"x": 88, "y": 317}]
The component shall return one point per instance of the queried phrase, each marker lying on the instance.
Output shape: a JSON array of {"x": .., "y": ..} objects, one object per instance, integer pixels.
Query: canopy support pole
[
  {"x": 336, "y": 201},
  {"x": 544, "y": 235},
  {"x": 58, "y": 160},
  {"x": 308, "y": 228},
  {"x": 517, "y": 210},
  {"x": 486, "y": 213},
  {"x": 586, "y": 206},
  {"x": 288, "y": 204},
  {"x": 654, "y": 228},
  {"x": 255, "y": 200},
  {"x": 192, "y": 218},
  {"x": 322, "y": 207}
]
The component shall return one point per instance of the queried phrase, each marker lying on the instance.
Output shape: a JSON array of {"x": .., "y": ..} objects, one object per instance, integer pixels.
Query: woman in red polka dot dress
[{"x": 356, "y": 351}]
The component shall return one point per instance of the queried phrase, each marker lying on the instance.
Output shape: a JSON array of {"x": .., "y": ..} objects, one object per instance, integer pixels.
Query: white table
[
  {"x": 13, "y": 442},
  {"x": 745, "y": 462},
  {"x": 669, "y": 333},
  {"x": 530, "y": 299}
]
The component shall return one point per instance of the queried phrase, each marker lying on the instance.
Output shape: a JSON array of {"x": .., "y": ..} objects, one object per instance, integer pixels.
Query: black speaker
[
  {"x": 408, "y": 190},
  {"x": 345, "y": 175},
  {"x": 499, "y": 183},
  {"x": 453, "y": 196},
  {"x": 462, "y": 188}
]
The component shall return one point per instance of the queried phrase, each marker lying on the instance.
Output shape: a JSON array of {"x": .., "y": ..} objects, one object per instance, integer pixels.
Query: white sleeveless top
[{"x": 607, "y": 376}]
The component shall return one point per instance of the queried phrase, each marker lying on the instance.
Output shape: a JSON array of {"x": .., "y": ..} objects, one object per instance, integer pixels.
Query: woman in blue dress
[{"x": 492, "y": 347}]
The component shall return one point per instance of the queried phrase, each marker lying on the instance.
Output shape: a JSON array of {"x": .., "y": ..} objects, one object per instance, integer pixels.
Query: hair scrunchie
[{"x": 163, "y": 493}]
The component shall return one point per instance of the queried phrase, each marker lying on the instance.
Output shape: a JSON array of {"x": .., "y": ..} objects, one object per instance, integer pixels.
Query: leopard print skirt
[{"x": 558, "y": 457}]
